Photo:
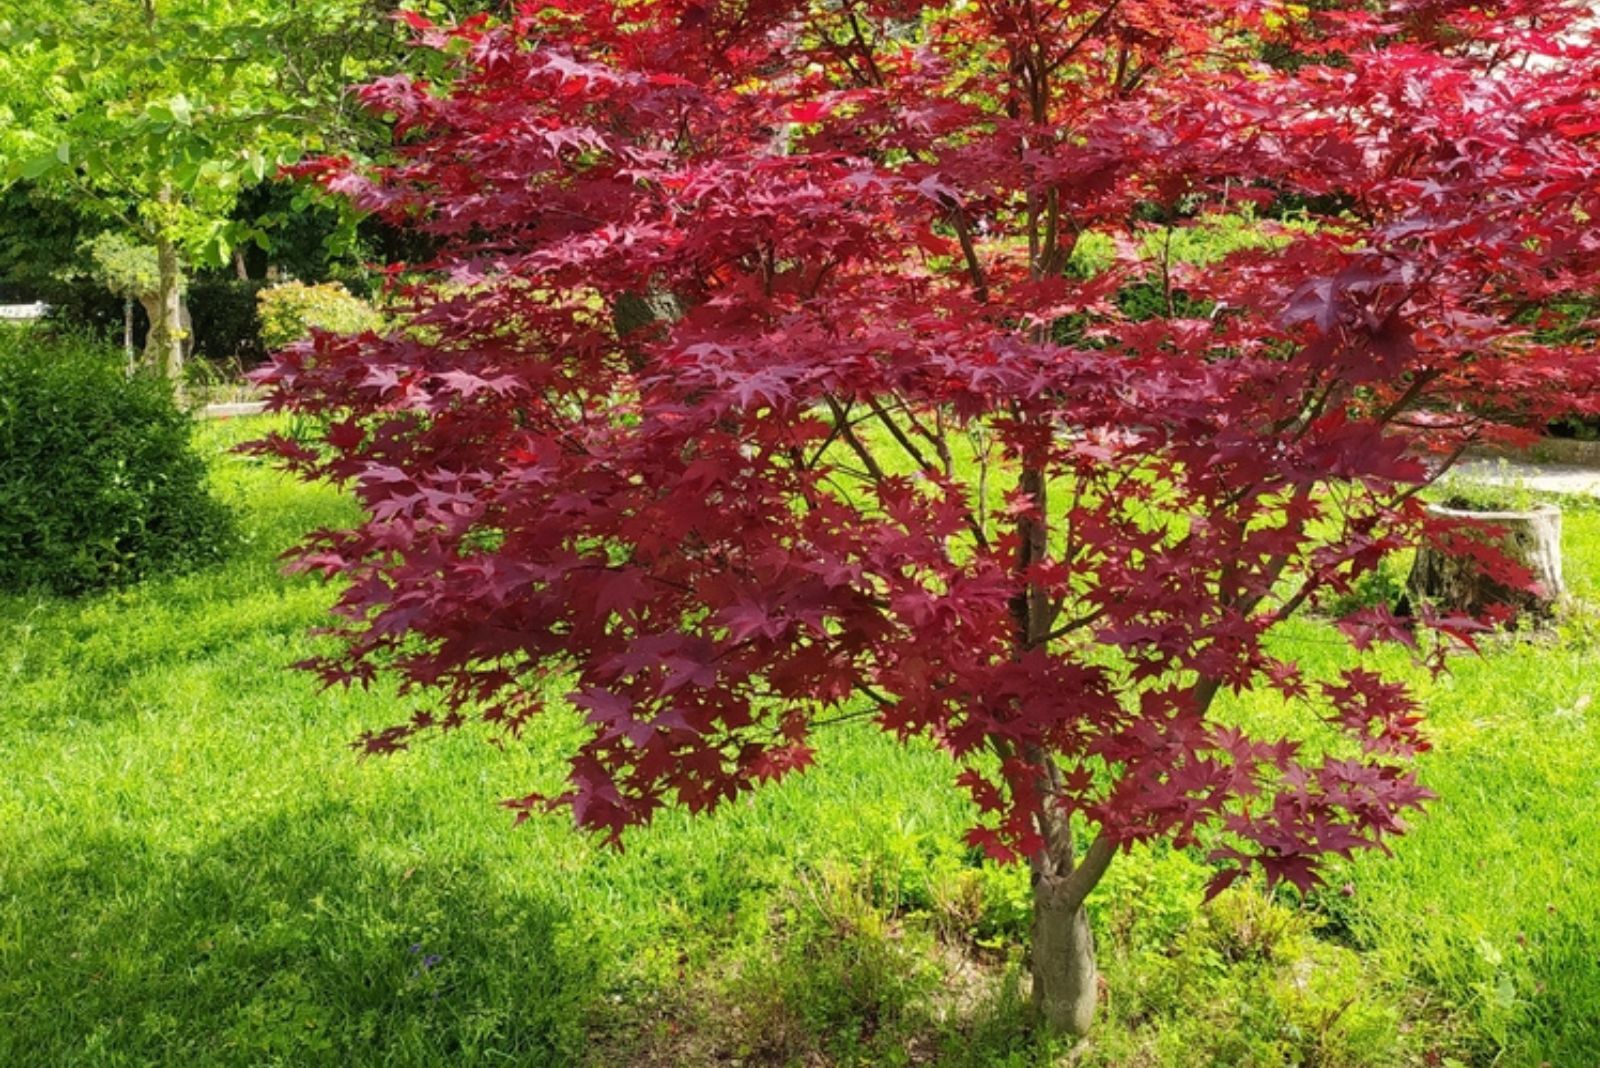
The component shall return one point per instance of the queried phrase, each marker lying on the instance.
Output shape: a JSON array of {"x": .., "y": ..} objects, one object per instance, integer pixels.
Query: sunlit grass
[{"x": 195, "y": 869}]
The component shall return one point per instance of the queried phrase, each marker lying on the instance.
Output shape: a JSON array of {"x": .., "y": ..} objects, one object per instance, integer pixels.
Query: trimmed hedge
[{"x": 99, "y": 483}]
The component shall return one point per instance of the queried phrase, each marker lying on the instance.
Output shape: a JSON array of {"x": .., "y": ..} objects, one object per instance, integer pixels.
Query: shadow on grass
[
  {"x": 286, "y": 941},
  {"x": 71, "y": 657}
]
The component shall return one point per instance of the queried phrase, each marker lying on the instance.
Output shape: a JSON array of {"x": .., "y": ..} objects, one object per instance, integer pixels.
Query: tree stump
[{"x": 1457, "y": 582}]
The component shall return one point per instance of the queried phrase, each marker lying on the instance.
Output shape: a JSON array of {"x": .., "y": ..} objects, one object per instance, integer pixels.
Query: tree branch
[{"x": 1091, "y": 869}]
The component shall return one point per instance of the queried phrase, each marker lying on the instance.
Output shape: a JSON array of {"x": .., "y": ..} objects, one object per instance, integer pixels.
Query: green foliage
[
  {"x": 1479, "y": 492},
  {"x": 156, "y": 116},
  {"x": 1489, "y": 904},
  {"x": 226, "y": 327},
  {"x": 1245, "y": 981},
  {"x": 1168, "y": 251},
  {"x": 99, "y": 485},
  {"x": 40, "y": 240},
  {"x": 842, "y": 971},
  {"x": 127, "y": 269},
  {"x": 1384, "y": 585},
  {"x": 288, "y": 312}
]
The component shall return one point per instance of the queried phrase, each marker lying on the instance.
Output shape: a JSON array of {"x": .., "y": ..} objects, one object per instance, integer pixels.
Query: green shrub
[
  {"x": 225, "y": 328},
  {"x": 99, "y": 485},
  {"x": 288, "y": 312}
]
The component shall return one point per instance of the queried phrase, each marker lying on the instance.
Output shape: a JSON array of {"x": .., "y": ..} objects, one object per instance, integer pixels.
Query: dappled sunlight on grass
[{"x": 195, "y": 868}]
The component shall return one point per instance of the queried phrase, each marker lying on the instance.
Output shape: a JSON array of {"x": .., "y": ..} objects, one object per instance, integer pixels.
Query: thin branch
[
  {"x": 841, "y": 420},
  {"x": 875, "y": 695},
  {"x": 922, "y": 462},
  {"x": 866, "y": 50},
  {"x": 1420, "y": 382},
  {"x": 1075, "y": 623},
  {"x": 844, "y": 717},
  {"x": 899, "y": 436},
  {"x": 1083, "y": 38},
  {"x": 833, "y": 435},
  {"x": 980, "y": 284}
]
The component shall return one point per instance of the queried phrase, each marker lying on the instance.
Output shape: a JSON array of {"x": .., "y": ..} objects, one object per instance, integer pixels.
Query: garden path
[{"x": 1547, "y": 478}]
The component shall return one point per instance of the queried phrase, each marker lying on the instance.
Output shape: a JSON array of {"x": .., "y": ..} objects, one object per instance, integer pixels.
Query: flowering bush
[{"x": 289, "y": 312}]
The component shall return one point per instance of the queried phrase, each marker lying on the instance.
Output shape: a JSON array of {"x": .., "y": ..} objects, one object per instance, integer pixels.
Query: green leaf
[
  {"x": 215, "y": 251},
  {"x": 181, "y": 110},
  {"x": 185, "y": 174},
  {"x": 39, "y": 166}
]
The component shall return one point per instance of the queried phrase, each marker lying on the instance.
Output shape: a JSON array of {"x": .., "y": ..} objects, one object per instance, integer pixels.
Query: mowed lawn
[{"x": 195, "y": 869}]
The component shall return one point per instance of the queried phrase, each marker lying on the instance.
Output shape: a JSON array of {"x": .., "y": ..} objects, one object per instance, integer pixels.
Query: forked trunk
[{"x": 1065, "y": 979}]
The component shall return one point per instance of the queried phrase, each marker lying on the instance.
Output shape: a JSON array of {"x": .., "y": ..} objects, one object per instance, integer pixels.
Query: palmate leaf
[{"x": 758, "y": 380}]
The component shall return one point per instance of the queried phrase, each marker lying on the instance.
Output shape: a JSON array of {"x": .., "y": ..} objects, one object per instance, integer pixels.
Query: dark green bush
[
  {"x": 99, "y": 485},
  {"x": 84, "y": 306},
  {"x": 226, "y": 329}
]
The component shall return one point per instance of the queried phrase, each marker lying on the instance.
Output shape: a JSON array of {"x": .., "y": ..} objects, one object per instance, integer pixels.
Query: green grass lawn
[{"x": 196, "y": 870}]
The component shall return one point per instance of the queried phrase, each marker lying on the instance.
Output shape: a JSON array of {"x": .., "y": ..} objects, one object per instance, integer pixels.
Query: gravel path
[
  {"x": 228, "y": 411},
  {"x": 1547, "y": 478}
]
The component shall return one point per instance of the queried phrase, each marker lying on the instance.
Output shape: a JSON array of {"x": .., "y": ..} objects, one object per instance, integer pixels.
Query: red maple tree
[{"x": 785, "y": 356}]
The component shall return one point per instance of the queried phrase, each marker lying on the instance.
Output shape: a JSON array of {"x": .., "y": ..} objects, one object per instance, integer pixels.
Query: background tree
[
  {"x": 133, "y": 273},
  {"x": 151, "y": 117},
  {"x": 889, "y": 443}
]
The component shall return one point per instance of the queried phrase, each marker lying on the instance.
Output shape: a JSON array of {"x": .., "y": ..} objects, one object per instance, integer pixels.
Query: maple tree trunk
[{"x": 1065, "y": 978}]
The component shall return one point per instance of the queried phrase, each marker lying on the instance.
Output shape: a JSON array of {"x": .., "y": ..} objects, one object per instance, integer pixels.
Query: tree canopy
[
  {"x": 152, "y": 117},
  {"x": 765, "y": 377}
]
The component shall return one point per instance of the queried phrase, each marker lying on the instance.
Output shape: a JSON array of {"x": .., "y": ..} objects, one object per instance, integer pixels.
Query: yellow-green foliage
[{"x": 289, "y": 312}]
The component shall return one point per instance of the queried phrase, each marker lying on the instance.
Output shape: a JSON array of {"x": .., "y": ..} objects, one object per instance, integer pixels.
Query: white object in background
[{"x": 36, "y": 310}]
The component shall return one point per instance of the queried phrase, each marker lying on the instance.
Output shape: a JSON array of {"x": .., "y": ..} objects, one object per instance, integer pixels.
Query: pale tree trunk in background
[
  {"x": 151, "y": 303},
  {"x": 186, "y": 324},
  {"x": 127, "y": 331},
  {"x": 165, "y": 347}
]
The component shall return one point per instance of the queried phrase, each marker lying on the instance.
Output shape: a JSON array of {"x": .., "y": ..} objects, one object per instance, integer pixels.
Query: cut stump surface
[{"x": 1458, "y": 582}]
